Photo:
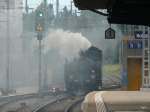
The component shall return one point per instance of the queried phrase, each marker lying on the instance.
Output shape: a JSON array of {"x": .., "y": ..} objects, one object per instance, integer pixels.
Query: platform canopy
[{"x": 119, "y": 11}]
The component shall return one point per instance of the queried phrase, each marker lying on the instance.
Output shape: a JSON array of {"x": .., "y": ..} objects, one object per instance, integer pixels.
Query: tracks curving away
[{"x": 66, "y": 104}]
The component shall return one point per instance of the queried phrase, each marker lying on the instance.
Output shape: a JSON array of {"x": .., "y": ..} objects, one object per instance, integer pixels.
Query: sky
[{"x": 35, "y": 3}]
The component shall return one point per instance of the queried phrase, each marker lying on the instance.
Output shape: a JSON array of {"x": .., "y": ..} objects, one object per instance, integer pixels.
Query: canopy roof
[{"x": 120, "y": 11}]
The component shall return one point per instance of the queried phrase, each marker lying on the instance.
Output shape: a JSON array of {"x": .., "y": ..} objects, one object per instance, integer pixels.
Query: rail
[
  {"x": 73, "y": 105},
  {"x": 41, "y": 107},
  {"x": 9, "y": 99}
]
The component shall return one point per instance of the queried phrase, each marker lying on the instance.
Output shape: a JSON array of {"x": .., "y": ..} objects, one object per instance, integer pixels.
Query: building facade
[{"x": 10, "y": 40}]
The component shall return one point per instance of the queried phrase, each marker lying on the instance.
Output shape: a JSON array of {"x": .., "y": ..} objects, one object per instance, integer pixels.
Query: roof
[
  {"x": 93, "y": 4},
  {"x": 120, "y": 11}
]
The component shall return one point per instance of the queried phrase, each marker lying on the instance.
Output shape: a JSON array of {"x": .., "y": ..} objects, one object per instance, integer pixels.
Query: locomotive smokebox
[{"x": 84, "y": 74}]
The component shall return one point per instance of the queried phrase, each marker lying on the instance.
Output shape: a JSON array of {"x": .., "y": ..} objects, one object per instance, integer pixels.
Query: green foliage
[{"x": 111, "y": 69}]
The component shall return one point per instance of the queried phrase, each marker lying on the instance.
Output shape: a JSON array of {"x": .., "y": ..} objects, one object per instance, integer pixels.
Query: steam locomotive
[{"x": 84, "y": 74}]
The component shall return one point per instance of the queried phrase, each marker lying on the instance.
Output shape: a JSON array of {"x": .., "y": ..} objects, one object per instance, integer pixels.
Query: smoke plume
[{"x": 68, "y": 44}]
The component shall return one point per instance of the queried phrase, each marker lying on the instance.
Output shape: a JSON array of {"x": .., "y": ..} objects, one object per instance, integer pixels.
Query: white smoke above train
[
  {"x": 68, "y": 44},
  {"x": 59, "y": 46}
]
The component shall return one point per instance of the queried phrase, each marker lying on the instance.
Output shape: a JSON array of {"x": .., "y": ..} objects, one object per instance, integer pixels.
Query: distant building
[
  {"x": 10, "y": 38},
  {"x": 7, "y": 3}
]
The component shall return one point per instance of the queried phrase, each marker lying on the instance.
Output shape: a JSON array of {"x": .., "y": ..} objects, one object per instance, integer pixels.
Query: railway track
[
  {"x": 75, "y": 107},
  {"x": 41, "y": 107},
  {"x": 66, "y": 104},
  {"x": 6, "y": 102},
  {"x": 57, "y": 103}
]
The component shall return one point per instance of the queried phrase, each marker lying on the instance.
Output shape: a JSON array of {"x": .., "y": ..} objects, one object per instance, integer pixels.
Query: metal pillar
[
  {"x": 45, "y": 82},
  {"x": 40, "y": 62},
  {"x": 45, "y": 79},
  {"x": 149, "y": 54},
  {"x": 57, "y": 7},
  {"x": 8, "y": 50},
  {"x": 26, "y": 7},
  {"x": 71, "y": 10},
  {"x": 146, "y": 60}
]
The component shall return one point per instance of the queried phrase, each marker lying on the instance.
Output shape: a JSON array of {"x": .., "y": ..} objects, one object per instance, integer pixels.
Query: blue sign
[
  {"x": 131, "y": 45},
  {"x": 141, "y": 34},
  {"x": 135, "y": 45},
  {"x": 139, "y": 45}
]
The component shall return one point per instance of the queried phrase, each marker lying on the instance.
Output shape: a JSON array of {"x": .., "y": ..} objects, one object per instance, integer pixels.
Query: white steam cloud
[
  {"x": 57, "y": 47},
  {"x": 68, "y": 44}
]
